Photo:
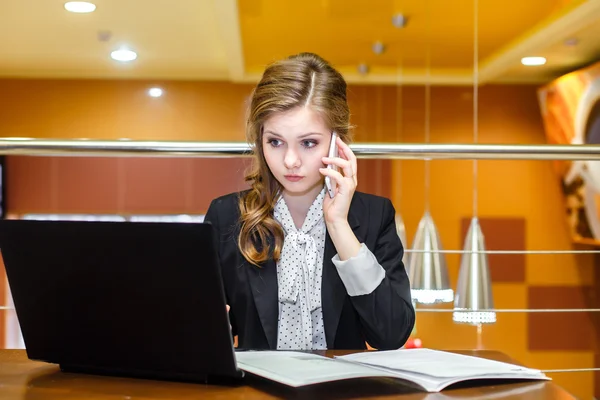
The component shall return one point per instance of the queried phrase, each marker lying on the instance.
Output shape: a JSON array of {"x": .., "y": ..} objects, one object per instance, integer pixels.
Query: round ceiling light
[
  {"x": 532, "y": 61},
  {"x": 123, "y": 55},
  {"x": 155, "y": 92},
  {"x": 80, "y": 7}
]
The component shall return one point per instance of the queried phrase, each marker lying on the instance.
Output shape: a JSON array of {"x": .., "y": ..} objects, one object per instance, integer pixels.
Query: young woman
[{"x": 302, "y": 270}]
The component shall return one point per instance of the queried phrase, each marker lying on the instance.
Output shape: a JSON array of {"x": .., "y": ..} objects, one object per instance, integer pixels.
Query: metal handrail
[{"x": 145, "y": 148}]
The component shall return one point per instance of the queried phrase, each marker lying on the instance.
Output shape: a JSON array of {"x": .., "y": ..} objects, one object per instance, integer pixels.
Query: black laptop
[{"x": 120, "y": 298}]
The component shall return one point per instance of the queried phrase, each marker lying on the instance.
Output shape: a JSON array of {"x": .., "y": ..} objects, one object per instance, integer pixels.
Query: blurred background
[{"x": 419, "y": 71}]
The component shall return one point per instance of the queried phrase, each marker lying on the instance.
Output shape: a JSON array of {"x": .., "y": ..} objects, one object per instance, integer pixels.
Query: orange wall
[
  {"x": 521, "y": 190},
  {"x": 121, "y": 109}
]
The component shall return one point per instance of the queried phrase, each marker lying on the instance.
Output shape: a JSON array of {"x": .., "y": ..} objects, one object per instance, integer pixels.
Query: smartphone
[{"x": 333, "y": 152}]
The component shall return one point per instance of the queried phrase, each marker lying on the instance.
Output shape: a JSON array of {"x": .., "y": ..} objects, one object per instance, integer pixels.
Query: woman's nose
[{"x": 291, "y": 160}]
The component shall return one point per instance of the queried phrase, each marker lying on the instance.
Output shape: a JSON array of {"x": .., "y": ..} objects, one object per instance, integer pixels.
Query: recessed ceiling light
[
  {"x": 530, "y": 61},
  {"x": 80, "y": 7},
  {"x": 123, "y": 55},
  {"x": 104, "y": 36},
  {"x": 399, "y": 20},
  {"x": 155, "y": 92},
  {"x": 378, "y": 47},
  {"x": 363, "y": 68}
]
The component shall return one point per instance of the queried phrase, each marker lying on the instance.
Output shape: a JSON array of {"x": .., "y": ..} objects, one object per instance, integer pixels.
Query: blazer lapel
[
  {"x": 333, "y": 291},
  {"x": 263, "y": 283}
]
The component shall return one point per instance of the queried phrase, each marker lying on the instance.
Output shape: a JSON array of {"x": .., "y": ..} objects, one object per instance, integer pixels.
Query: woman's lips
[{"x": 293, "y": 178}]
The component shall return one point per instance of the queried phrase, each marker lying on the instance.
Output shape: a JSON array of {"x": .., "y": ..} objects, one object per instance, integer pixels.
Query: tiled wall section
[{"x": 556, "y": 335}]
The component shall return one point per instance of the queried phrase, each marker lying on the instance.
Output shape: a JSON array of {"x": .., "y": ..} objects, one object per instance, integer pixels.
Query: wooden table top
[{"x": 21, "y": 378}]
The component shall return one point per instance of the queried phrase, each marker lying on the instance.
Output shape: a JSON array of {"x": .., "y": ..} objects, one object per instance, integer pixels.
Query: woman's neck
[{"x": 299, "y": 203}]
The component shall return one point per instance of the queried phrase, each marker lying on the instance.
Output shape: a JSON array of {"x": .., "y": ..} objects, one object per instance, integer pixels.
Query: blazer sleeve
[
  {"x": 387, "y": 313},
  {"x": 212, "y": 217}
]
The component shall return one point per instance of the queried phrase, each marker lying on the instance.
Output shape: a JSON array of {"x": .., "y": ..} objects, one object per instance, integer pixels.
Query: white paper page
[
  {"x": 299, "y": 369},
  {"x": 436, "y": 384},
  {"x": 440, "y": 364}
]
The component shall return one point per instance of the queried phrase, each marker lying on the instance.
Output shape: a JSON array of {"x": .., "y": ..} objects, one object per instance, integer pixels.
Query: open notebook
[{"x": 424, "y": 369}]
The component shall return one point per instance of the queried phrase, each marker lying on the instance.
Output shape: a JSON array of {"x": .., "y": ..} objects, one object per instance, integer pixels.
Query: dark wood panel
[{"x": 560, "y": 331}]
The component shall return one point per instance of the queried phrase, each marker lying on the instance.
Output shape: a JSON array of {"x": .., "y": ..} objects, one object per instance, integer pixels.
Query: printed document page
[{"x": 299, "y": 369}]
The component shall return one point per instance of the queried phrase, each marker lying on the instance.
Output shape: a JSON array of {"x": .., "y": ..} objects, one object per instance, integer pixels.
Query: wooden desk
[{"x": 23, "y": 379}]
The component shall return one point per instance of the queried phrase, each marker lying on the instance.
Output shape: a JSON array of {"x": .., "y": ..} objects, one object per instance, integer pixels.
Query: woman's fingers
[
  {"x": 344, "y": 165},
  {"x": 347, "y": 154},
  {"x": 345, "y": 184}
]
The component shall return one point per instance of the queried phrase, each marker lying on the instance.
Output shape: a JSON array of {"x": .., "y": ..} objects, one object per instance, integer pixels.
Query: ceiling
[{"x": 234, "y": 40}]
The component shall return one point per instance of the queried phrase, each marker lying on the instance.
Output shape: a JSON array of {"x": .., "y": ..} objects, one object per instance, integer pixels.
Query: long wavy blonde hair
[{"x": 304, "y": 79}]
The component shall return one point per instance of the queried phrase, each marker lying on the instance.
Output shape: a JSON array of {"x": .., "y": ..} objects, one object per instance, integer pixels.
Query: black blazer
[{"x": 383, "y": 318}]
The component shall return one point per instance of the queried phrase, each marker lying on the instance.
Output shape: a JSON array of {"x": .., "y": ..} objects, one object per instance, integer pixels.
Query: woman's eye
[
  {"x": 274, "y": 142},
  {"x": 309, "y": 143}
]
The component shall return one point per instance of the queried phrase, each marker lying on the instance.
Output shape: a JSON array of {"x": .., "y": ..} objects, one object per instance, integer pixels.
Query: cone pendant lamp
[
  {"x": 428, "y": 272},
  {"x": 474, "y": 288}
]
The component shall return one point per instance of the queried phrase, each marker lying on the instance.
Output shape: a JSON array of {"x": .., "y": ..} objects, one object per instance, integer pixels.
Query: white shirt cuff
[{"x": 360, "y": 274}]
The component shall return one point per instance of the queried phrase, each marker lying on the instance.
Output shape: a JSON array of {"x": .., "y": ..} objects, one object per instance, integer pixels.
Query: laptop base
[{"x": 154, "y": 375}]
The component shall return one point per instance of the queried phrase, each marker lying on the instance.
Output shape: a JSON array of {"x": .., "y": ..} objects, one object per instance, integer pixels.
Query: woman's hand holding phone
[{"x": 341, "y": 182}]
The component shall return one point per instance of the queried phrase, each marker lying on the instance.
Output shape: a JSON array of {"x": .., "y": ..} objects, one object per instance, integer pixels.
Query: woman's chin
[{"x": 301, "y": 188}]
